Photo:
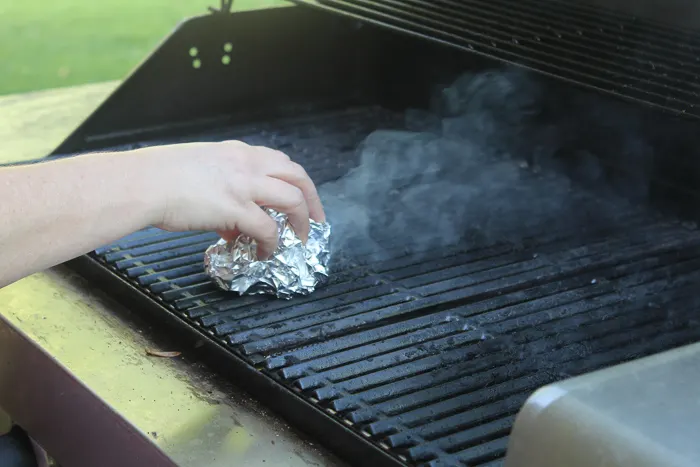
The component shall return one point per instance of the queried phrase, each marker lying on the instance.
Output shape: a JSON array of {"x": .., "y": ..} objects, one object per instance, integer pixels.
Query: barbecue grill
[{"x": 424, "y": 354}]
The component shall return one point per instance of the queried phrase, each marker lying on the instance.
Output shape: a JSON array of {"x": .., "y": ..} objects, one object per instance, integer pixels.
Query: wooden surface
[
  {"x": 200, "y": 420},
  {"x": 33, "y": 124}
]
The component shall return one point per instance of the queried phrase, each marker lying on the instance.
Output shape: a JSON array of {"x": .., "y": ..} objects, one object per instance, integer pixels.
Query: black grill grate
[
  {"x": 602, "y": 49},
  {"x": 430, "y": 359}
]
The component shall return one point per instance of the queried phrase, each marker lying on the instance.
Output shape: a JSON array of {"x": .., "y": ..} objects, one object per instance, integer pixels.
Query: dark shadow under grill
[{"x": 431, "y": 356}]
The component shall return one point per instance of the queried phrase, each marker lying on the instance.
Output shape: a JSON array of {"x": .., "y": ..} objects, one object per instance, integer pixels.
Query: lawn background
[{"x": 56, "y": 43}]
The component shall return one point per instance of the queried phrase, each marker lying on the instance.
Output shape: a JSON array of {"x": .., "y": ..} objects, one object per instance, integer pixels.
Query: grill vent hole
[{"x": 196, "y": 63}]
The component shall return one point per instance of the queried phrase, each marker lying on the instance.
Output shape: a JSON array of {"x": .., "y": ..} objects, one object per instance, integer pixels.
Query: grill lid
[{"x": 610, "y": 51}]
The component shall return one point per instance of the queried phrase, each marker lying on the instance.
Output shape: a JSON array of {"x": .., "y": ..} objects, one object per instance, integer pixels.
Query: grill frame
[{"x": 371, "y": 83}]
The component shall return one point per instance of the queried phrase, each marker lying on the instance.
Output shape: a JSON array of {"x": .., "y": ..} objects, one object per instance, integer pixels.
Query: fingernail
[{"x": 262, "y": 253}]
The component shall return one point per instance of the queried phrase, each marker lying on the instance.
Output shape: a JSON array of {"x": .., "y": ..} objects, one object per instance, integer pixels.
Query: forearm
[{"x": 53, "y": 212}]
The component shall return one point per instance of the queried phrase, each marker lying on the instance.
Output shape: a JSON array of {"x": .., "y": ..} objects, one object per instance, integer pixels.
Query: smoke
[{"x": 501, "y": 156}]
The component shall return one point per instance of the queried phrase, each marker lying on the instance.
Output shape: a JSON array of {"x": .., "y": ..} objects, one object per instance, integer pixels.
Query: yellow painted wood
[{"x": 33, "y": 124}]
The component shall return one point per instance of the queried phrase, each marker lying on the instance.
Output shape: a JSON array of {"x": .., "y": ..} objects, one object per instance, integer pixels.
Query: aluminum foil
[{"x": 293, "y": 269}]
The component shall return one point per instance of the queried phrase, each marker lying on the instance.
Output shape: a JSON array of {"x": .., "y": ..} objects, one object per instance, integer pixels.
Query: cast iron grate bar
[
  {"x": 429, "y": 357},
  {"x": 604, "y": 50}
]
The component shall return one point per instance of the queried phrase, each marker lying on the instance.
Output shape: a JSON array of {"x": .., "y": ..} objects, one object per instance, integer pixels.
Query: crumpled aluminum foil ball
[{"x": 293, "y": 269}]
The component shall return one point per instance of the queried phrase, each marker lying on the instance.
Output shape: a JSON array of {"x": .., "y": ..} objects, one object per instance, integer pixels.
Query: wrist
[
  {"x": 127, "y": 183},
  {"x": 147, "y": 183}
]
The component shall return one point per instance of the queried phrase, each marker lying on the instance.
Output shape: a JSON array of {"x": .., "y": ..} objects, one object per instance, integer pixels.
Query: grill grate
[
  {"x": 431, "y": 358},
  {"x": 609, "y": 51}
]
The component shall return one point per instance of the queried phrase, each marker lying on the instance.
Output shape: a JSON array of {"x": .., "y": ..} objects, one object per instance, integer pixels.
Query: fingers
[
  {"x": 229, "y": 235},
  {"x": 255, "y": 223},
  {"x": 278, "y": 165},
  {"x": 286, "y": 198},
  {"x": 295, "y": 174},
  {"x": 267, "y": 157},
  {"x": 276, "y": 182}
]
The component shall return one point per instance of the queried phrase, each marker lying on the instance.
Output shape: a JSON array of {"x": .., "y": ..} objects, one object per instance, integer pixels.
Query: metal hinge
[{"x": 226, "y": 6}]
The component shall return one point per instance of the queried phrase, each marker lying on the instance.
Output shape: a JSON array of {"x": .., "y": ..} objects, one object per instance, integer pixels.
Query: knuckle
[
  {"x": 296, "y": 198},
  {"x": 234, "y": 143},
  {"x": 269, "y": 234},
  {"x": 242, "y": 194},
  {"x": 271, "y": 153},
  {"x": 281, "y": 155},
  {"x": 234, "y": 148},
  {"x": 298, "y": 169},
  {"x": 233, "y": 155}
]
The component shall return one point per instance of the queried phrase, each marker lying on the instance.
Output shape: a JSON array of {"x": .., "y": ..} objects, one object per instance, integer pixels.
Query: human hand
[{"x": 221, "y": 186}]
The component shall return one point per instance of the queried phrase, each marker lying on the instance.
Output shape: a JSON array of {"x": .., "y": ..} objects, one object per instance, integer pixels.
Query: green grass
[{"x": 55, "y": 43}]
